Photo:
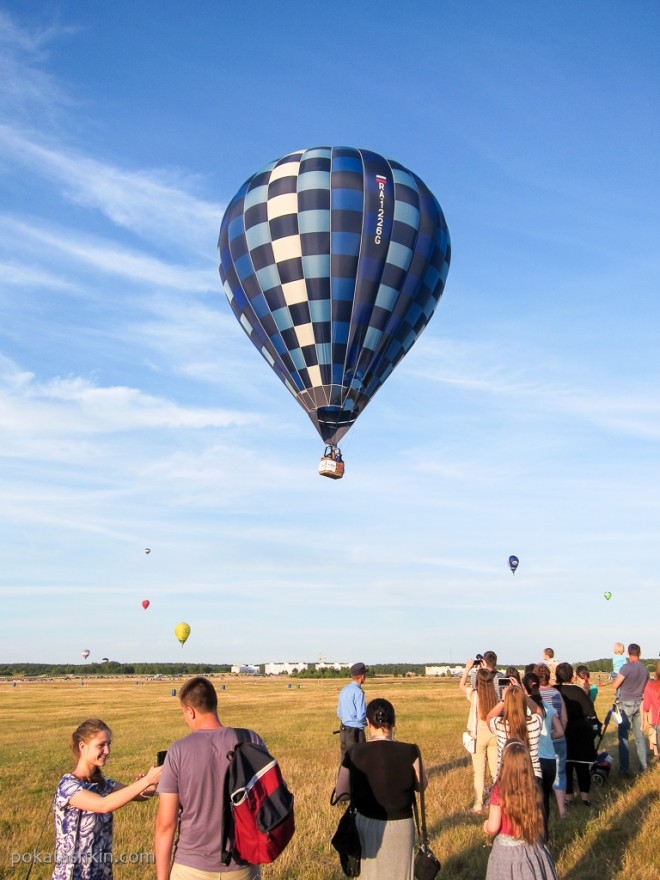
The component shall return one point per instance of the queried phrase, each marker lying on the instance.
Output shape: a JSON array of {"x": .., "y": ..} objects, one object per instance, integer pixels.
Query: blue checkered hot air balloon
[{"x": 333, "y": 261}]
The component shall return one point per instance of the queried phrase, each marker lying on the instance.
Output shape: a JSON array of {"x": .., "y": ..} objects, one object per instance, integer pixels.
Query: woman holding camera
[
  {"x": 84, "y": 803},
  {"x": 382, "y": 776},
  {"x": 482, "y": 697}
]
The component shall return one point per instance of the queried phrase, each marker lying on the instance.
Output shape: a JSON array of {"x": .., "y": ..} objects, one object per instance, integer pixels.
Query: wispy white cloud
[
  {"x": 24, "y": 85},
  {"x": 76, "y": 406},
  {"x": 110, "y": 258},
  {"x": 157, "y": 205},
  {"x": 482, "y": 370},
  {"x": 18, "y": 275}
]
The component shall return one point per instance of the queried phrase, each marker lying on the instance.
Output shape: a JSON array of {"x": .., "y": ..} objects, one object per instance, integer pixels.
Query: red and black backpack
[{"x": 259, "y": 819}]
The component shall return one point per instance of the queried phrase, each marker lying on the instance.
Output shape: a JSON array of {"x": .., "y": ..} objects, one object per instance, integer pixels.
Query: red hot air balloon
[{"x": 145, "y": 604}]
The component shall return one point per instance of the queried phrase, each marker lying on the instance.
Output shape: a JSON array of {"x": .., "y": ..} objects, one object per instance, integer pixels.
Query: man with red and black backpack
[{"x": 194, "y": 792}]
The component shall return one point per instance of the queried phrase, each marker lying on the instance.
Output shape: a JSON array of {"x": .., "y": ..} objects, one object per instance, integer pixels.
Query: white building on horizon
[
  {"x": 443, "y": 670},
  {"x": 245, "y": 669},
  {"x": 327, "y": 664},
  {"x": 283, "y": 668}
]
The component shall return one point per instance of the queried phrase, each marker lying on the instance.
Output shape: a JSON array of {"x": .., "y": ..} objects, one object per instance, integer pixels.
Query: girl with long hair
[
  {"x": 482, "y": 699},
  {"x": 84, "y": 803},
  {"x": 512, "y": 718},
  {"x": 515, "y": 816},
  {"x": 550, "y": 730},
  {"x": 382, "y": 776}
]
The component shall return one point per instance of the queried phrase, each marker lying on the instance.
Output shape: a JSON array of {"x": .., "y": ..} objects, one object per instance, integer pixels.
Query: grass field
[{"x": 616, "y": 838}]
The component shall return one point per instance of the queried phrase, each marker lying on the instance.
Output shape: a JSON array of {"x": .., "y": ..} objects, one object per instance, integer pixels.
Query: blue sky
[{"x": 135, "y": 413}]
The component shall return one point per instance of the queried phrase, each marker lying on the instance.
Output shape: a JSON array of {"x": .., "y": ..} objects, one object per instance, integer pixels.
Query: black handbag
[
  {"x": 347, "y": 843},
  {"x": 427, "y": 864}
]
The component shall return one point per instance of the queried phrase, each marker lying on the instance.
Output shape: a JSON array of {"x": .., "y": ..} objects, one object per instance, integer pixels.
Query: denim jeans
[
  {"x": 560, "y": 756},
  {"x": 631, "y": 712}
]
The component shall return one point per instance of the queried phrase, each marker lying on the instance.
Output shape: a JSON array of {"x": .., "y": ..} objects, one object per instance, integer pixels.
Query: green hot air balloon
[{"x": 607, "y": 595}]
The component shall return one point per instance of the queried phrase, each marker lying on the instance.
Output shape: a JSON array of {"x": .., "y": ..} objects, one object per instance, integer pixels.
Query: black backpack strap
[{"x": 243, "y": 736}]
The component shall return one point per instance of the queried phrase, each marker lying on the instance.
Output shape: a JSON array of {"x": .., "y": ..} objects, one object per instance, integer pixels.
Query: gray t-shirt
[
  {"x": 195, "y": 769},
  {"x": 636, "y": 676}
]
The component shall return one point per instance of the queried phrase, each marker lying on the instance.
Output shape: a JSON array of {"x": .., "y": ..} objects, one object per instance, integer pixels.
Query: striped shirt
[{"x": 534, "y": 725}]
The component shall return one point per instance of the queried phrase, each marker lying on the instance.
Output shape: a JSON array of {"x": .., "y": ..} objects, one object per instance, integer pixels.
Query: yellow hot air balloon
[{"x": 182, "y": 631}]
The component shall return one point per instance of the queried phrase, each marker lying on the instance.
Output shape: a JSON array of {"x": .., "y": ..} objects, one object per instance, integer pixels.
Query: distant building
[
  {"x": 283, "y": 668},
  {"x": 326, "y": 664},
  {"x": 244, "y": 669},
  {"x": 443, "y": 670}
]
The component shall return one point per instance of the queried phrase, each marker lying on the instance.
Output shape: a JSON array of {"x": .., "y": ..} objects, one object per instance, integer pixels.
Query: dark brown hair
[
  {"x": 83, "y": 734},
  {"x": 564, "y": 673},
  {"x": 486, "y": 693},
  {"x": 199, "y": 694},
  {"x": 543, "y": 673},
  {"x": 380, "y": 713}
]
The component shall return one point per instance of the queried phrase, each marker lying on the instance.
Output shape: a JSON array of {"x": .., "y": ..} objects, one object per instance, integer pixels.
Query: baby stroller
[{"x": 600, "y": 769}]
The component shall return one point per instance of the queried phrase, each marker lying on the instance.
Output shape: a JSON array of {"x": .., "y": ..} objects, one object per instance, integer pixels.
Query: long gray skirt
[
  {"x": 387, "y": 848},
  {"x": 513, "y": 859}
]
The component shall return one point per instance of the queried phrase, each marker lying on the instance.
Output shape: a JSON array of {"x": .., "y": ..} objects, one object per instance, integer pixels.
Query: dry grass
[{"x": 612, "y": 840}]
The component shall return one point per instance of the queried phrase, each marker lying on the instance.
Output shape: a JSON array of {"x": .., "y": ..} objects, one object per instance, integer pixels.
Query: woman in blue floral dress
[{"x": 84, "y": 803}]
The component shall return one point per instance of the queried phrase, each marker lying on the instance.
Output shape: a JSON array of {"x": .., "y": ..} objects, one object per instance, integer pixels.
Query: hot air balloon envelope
[
  {"x": 182, "y": 631},
  {"x": 85, "y": 654},
  {"x": 333, "y": 260},
  {"x": 145, "y": 604},
  {"x": 607, "y": 595},
  {"x": 513, "y": 563},
  {"x": 147, "y": 550}
]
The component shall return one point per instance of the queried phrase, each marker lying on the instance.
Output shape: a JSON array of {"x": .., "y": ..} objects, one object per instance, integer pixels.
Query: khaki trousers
[
  {"x": 486, "y": 752},
  {"x": 183, "y": 872}
]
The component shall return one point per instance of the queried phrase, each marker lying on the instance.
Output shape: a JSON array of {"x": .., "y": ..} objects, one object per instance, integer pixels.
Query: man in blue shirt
[{"x": 352, "y": 709}]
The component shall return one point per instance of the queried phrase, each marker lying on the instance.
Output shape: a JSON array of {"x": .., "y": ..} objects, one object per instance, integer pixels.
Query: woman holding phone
[{"x": 84, "y": 803}]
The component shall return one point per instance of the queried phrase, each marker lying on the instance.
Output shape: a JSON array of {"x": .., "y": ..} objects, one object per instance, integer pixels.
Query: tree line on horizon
[{"x": 114, "y": 668}]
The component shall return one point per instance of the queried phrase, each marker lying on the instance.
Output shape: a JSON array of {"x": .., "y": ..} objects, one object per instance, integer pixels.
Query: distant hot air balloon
[
  {"x": 147, "y": 550},
  {"x": 607, "y": 595},
  {"x": 513, "y": 563},
  {"x": 145, "y": 604},
  {"x": 85, "y": 654},
  {"x": 105, "y": 659},
  {"x": 333, "y": 261},
  {"x": 182, "y": 631}
]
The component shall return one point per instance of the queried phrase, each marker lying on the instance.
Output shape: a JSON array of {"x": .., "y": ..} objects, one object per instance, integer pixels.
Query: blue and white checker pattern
[{"x": 333, "y": 261}]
